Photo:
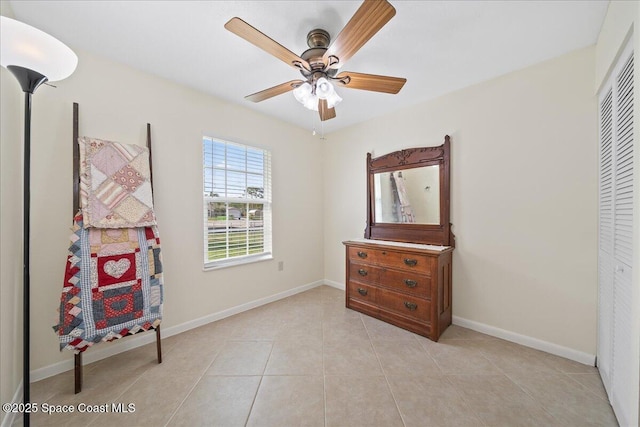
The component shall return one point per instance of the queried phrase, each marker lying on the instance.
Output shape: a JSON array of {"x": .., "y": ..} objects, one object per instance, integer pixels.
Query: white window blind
[
  {"x": 237, "y": 202},
  {"x": 615, "y": 241}
]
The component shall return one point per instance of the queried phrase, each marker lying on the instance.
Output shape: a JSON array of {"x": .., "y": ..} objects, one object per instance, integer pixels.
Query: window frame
[{"x": 265, "y": 201}]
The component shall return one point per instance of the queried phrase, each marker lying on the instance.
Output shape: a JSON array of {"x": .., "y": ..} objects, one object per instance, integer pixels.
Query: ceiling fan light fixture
[
  {"x": 333, "y": 99},
  {"x": 308, "y": 95},
  {"x": 304, "y": 95},
  {"x": 302, "y": 92},
  {"x": 323, "y": 88},
  {"x": 311, "y": 103}
]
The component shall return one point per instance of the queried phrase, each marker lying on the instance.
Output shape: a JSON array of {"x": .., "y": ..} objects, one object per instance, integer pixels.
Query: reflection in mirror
[{"x": 408, "y": 196}]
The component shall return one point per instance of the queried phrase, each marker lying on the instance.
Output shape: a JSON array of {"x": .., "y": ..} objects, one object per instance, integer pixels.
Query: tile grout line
[
  {"x": 324, "y": 373},
  {"x": 384, "y": 373},
  {"x": 253, "y": 401},
  {"x": 575, "y": 383},
  {"x": 602, "y": 396},
  {"x": 94, "y": 419},
  {"x": 204, "y": 372},
  {"x": 466, "y": 402},
  {"x": 255, "y": 396},
  {"x": 544, "y": 409},
  {"x": 503, "y": 372}
]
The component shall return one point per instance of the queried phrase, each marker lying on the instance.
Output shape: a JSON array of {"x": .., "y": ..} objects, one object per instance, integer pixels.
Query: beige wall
[
  {"x": 116, "y": 102},
  {"x": 524, "y": 192},
  {"x": 621, "y": 20},
  {"x": 11, "y": 123}
]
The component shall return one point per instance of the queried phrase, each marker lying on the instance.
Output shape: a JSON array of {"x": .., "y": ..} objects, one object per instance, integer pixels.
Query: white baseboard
[
  {"x": 143, "y": 339},
  {"x": 548, "y": 347},
  {"x": 336, "y": 285},
  {"x": 10, "y": 417}
]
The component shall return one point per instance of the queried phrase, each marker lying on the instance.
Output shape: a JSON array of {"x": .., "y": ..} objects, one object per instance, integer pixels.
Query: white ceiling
[{"x": 439, "y": 46}]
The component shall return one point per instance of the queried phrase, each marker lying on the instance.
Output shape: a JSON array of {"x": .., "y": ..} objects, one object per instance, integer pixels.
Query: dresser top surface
[{"x": 401, "y": 245}]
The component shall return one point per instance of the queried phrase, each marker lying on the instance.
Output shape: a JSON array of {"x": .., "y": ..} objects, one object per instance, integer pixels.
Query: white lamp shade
[
  {"x": 333, "y": 99},
  {"x": 311, "y": 103},
  {"x": 302, "y": 92},
  {"x": 323, "y": 88},
  {"x": 304, "y": 95},
  {"x": 25, "y": 46}
]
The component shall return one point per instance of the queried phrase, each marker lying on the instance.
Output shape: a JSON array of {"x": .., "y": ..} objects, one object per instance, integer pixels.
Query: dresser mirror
[{"x": 408, "y": 196}]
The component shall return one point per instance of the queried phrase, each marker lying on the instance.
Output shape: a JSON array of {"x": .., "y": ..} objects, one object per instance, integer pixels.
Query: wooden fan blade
[
  {"x": 368, "y": 20},
  {"x": 240, "y": 28},
  {"x": 326, "y": 113},
  {"x": 274, "y": 91},
  {"x": 371, "y": 82}
]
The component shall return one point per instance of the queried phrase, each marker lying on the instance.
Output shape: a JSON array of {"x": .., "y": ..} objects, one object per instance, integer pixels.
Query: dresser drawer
[
  {"x": 364, "y": 272},
  {"x": 407, "y": 305},
  {"x": 391, "y": 258},
  {"x": 407, "y": 281},
  {"x": 361, "y": 292}
]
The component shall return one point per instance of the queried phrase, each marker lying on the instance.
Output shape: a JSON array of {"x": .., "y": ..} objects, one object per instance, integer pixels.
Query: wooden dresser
[{"x": 407, "y": 285}]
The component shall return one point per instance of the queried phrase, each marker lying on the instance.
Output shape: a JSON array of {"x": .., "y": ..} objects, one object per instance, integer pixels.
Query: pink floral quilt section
[{"x": 115, "y": 186}]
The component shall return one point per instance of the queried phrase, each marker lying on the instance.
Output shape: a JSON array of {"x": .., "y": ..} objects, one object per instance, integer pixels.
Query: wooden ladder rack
[{"x": 76, "y": 206}]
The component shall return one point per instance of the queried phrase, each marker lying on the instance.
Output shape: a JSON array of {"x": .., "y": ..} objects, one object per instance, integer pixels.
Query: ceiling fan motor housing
[
  {"x": 318, "y": 41},
  {"x": 318, "y": 38}
]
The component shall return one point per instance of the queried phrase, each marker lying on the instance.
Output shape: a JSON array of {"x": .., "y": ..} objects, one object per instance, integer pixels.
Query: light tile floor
[{"x": 308, "y": 361}]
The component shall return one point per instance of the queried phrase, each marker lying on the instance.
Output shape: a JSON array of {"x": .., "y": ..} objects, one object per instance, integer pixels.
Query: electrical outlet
[{"x": 280, "y": 265}]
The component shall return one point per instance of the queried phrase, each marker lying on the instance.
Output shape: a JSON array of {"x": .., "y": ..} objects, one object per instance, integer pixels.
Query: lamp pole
[
  {"x": 23, "y": 50},
  {"x": 29, "y": 81}
]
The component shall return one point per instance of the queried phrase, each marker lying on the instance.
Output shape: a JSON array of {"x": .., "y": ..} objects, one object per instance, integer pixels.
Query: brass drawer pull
[
  {"x": 410, "y": 283},
  {"x": 362, "y": 272},
  {"x": 410, "y": 305},
  {"x": 362, "y": 254},
  {"x": 410, "y": 262},
  {"x": 362, "y": 292}
]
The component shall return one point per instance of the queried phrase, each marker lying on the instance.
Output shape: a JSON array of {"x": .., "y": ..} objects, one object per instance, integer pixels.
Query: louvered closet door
[
  {"x": 615, "y": 252},
  {"x": 622, "y": 386},
  {"x": 605, "y": 242}
]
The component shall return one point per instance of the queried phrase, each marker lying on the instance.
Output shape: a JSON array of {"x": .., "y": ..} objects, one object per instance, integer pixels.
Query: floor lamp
[{"x": 34, "y": 58}]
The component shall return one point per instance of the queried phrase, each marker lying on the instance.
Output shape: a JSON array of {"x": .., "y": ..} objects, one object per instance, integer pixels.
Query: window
[{"x": 237, "y": 203}]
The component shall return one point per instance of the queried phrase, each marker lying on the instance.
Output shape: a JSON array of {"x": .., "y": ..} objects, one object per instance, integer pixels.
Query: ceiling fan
[{"x": 320, "y": 64}]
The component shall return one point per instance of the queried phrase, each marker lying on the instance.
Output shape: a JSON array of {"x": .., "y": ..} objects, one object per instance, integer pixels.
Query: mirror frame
[{"x": 430, "y": 234}]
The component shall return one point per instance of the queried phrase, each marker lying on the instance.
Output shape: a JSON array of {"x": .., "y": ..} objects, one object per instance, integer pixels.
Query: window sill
[{"x": 217, "y": 265}]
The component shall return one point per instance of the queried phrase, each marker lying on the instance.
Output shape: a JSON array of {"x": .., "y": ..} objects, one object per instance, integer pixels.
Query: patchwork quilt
[
  {"x": 112, "y": 286},
  {"x": 115, "y": 187}
]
